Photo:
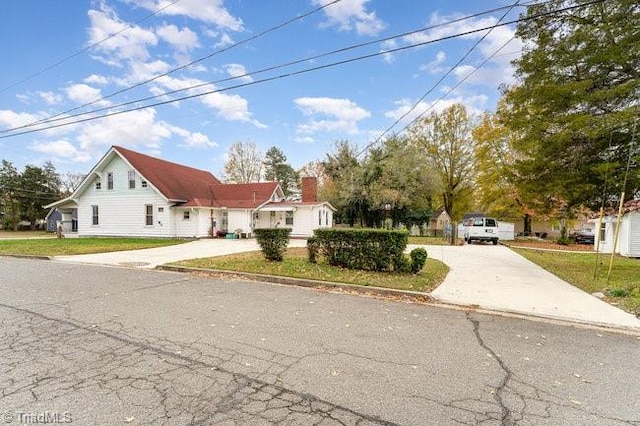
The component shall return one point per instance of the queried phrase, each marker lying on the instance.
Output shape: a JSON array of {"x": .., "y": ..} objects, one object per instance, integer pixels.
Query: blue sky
[{"x": 59, "y": 56}]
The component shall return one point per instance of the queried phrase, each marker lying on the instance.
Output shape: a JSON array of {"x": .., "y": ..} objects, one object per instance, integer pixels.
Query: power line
[
  {"x": 89, "y": 47},
  {"x": 261, "y": 71},
  {"x": 182, "y": 67},
  {"x": 440, "y": 80},
  {"x": 294, "y": 73}
]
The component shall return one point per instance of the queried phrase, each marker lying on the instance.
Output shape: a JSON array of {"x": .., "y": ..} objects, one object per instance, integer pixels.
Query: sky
[{"x": 296, "y": 74}]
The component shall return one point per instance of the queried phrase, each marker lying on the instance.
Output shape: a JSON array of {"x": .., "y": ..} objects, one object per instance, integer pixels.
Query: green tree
[
  {"x": 445, "y": 140},
  {"x": 10, "y": 208},
  {"x": 39, "y": 186},
  {"x": 276, "y": 169},
  {"x": 244, "y": 163},
  {"x": 575, "y": 102}
]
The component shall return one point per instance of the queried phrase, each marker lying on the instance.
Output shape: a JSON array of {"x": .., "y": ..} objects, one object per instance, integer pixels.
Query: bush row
[{"x": 366, "y": 249}]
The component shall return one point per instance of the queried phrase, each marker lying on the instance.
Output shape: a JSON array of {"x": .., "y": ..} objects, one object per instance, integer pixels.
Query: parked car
[
  {"x": 583, "y": 237},
  {"x": 481, "y": 229}
]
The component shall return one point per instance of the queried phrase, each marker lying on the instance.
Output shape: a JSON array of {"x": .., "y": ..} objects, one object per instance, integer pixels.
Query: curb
[
  {"x": 412, "y": 296},
  {"x": 27, "y": 256}
]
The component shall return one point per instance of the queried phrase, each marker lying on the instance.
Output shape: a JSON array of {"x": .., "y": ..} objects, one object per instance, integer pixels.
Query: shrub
[
  {"x": 402, "y": 265},
  {"x": 367, "y": 249},
  {"x": 273, "y": 242},
  {"x": 312, "y": 249},
  {"x": 418, "y": 259}
]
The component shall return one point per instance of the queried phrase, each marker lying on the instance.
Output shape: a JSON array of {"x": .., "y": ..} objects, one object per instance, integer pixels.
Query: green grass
[
  {"x": 68, "y": 246},
  {"x": 435, "y": 241},
  {"x": 578, "y": 269},
  {"x": 296, "y": 265}
]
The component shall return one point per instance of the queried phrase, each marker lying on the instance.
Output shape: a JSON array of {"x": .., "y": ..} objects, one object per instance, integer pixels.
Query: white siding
[
  {"x": 506, "y": 231},
  {"x": 196, "y": 226},
  {"x": 632, "y": 220},
  {"x": 239, "y": 219}
]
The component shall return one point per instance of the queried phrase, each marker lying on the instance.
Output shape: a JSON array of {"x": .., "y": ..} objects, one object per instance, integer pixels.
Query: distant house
[
  {"x": 629, "y": 236},
  {"x": 438, "y": 222},
  {"x": 131, "y": 194}
]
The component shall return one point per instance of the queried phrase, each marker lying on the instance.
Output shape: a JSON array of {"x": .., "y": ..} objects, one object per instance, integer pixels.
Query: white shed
[{"x": 629, "y": 236}]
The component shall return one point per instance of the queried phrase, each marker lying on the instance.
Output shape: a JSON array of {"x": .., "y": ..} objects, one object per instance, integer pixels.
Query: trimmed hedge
[
  {"x": 367, "y": 249},
  {"x": 273, "y": 242},
  {"x": 312, "y": 249}
]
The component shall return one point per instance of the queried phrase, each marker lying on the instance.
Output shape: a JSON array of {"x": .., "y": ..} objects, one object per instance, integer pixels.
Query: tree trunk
[{"x": 527, "y": 225}]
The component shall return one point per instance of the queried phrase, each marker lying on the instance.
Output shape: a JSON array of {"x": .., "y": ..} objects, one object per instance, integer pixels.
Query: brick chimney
[{"x": 309, "y": 189}]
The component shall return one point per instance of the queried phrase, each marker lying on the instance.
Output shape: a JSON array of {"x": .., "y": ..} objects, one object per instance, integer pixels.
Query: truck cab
[{"x": 481, "y": 229}]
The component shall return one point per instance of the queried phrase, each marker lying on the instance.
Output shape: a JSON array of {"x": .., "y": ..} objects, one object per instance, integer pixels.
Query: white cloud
[
  {"x": 304, "y": 139},
  {"x": 84, "y": 94},
  {"x": 209, "y": 11},
  {"x": 238, "y": 70},
  {"x": 131, "y": 44},
  {"x": 61, "y": 150},
  {"x": 11, "y": 119},
  {"x": 192, "y": 140},
  {"x": 50, "y": 98},
  {"x": 135, "y": 128},
  {"x": 389, "y": 45},
  {"x": 225, "y": 41},
  {"x": 475, "y": 105},
  {"x": 96, "y": 79},
  {"x": 348, "y": 15},
  {"x": 341, "y": 115},
  {"x": 182, "y": 39},
  {"x": 229, "y": 107},
  {"x": 501, "y": 64},
  {"x": 435, "y": 66}
]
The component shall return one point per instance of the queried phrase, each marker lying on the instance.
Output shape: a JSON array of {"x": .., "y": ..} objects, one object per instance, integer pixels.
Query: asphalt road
[{"x": 95, "y": 345}]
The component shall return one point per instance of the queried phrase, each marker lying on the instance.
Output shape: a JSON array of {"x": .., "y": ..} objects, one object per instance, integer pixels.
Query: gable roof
[{"x": 175, "y": 181}]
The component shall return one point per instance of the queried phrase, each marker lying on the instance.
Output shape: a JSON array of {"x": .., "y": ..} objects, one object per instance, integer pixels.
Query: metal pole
[{"x": 615, "y": 238}]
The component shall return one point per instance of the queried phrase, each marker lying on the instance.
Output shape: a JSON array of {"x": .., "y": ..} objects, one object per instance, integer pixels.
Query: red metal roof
[{"x": 174, "y": 181}]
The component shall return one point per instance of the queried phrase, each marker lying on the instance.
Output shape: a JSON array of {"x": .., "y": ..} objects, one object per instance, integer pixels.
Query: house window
[
  {"x": 603, "y": 230},
  {"x": 326, "y": 218},
  {"x": 186, "y": 215},
  {"x": 132, "y": 179},
  {"x": 148, "y": 215},
  {"x": 95, "y": 215},
  {"x": 319, "y": 217},
  {"x": 98, "y": 185},
  {"x": 288, "y": 218},
  {"x": 110, "y": 180},
  {"x": 143, "y": 183},
  {"x": 160, "y": 209}
]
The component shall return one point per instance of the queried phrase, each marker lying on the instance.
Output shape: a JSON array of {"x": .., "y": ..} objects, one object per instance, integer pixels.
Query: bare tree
[
  {"x": 69, "y": 182},
  {"x": 244, "y": 164}
]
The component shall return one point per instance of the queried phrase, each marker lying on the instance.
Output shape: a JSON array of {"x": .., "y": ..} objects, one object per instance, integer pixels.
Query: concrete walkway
[
  {"x": 497, "y": 278},
  {"x": 486, "y": 276}
]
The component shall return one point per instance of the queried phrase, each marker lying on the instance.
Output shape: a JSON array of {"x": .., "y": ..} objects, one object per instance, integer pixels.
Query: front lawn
[
  {"x": 69, "y": 246},
  {"x": 434, "y": 241},
  {"x": 296, "y": 265},
  {"x": 578, "y": 269}
]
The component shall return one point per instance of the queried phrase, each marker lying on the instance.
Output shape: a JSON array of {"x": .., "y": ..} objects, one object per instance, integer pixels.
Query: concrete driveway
[
  {"x": 485, "y": 276},
  {"x": 497, "y": 278}
]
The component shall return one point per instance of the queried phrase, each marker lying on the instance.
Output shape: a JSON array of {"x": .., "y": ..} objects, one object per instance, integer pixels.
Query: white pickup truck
[{"x": 481, "y": 229}]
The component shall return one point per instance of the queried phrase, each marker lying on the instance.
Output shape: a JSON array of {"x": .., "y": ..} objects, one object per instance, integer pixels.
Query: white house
[
  {"x": 629, "y": 236},
  {"x": 134, "y": 195}
]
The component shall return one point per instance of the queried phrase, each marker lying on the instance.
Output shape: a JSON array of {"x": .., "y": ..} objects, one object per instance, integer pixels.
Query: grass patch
[
  {"x": 433, "y": 241},
  {"x": 5, "y": 234},
  {"x": 578, "y": 269},
  {"x": 296, "y": 265},
  {"x": 68, "y": 246}
]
